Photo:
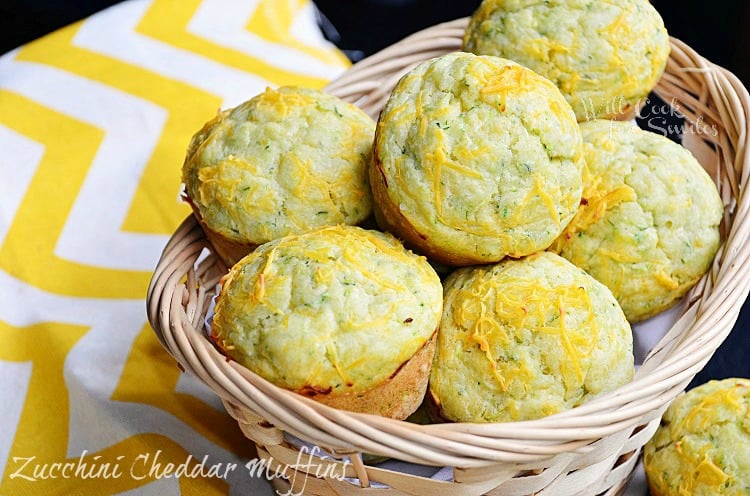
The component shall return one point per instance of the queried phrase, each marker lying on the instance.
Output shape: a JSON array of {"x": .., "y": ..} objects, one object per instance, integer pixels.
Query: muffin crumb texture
[
  {"x": 604, "y": 56},
  {"x": 527, "y": 338},
  {"x": 332, "y": 312},
  {"x": 476, "y": 158},
  {"x": 287, "y": 161},
  {"x": 648, "y": 224},
  {"x": 702, "y": 446}
]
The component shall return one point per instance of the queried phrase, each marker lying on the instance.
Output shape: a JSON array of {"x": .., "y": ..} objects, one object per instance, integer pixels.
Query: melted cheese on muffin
[
  {"x": 648, "y": 223},
  {"x": 527, "y": 338},
  {"x": 338, "y": 310},
  {"x": 476, "y": 158},
  {"x": 286, "y": 161},
  {"x": 604, "y": 56}
]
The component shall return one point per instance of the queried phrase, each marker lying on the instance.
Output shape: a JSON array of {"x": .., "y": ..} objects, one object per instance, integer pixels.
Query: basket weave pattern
[{"x": 588, "y": 450}]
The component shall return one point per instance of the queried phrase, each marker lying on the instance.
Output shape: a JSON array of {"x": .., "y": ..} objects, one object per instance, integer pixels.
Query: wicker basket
[{"x": 589, "y": 450}]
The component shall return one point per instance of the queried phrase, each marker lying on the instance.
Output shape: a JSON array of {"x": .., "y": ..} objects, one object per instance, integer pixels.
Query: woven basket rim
[{"x": 674, "y": 361}]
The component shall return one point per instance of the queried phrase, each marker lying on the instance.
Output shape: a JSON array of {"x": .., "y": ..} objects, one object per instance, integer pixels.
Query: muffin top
[
  {"x": 284, "y": 162},
  {"x": 480, "y": 155},
  {"x": 336, "y": 310},
  {"x": 648, "y": 223},
  {"x": 527, "y": 338},
  {"x": 702, "y": 446},
  {"x": 604, "y": 56}
]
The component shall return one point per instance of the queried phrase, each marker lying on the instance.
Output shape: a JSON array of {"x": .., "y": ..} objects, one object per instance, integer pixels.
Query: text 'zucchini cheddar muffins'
[
  {"x": 527, "y": 338},
  {"x": 604, "y": 56},
  {"x": 343, "y": 315},
  {"x": 285, "y": 162},
  {"x": 476, "y": 158},
  {"x": 648, "y": 225},
  {"x": 702, "y": 446}
]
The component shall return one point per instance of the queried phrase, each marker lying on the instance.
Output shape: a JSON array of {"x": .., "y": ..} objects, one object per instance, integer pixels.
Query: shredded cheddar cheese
[
  {"x": 522, "y": 328},
  {"x": 647, "y": 225},
  {"x": 286, "y": 161},
  {"x": 700, "y": 447},
  {"x": 480, "y": 155},
  {"x": 337, "y": 309},
  {"x": 602, "y": 73}
]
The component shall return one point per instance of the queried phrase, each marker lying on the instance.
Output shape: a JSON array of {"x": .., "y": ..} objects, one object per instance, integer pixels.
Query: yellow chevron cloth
[{"x": 94, "y": 123}]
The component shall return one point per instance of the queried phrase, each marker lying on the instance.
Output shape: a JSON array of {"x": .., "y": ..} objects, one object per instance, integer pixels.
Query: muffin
[
  {"x": 343, "y": 315},
  {"x": 523, "y": 339},
  {"x": 648, "y": 223},
  {"x": 702, "y": 446},
  {"x": 604, "y": 56},
  {"x": 285, "y": 162},
  {"x": 475, "y": 158}
]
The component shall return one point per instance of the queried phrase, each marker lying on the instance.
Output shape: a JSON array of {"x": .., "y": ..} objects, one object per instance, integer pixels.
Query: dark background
[{"x": 716, "y": 29}]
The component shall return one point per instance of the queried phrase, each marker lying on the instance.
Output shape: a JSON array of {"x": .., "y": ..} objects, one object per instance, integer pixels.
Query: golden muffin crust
[
  {"x": 702, "y": 447},
  {"x": 527, "y": 338},
  {"x": 648, "y": 223},
  {"x": 284, "y": 162},
  {"x": 334, "y": 314},
  {"x": 476, "y": 158},
  {"x": 604, "y": 56}
]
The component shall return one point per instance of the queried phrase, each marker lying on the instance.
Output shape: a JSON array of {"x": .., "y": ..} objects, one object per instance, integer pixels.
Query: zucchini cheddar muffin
[
  {"x": 476, "y": 158},
  {"x": 702, "y": 447},
  {"x": 648, "y": 223},
  {"x": 286, "y": 161},
  {"x": 343, "y": 315},
  {"x": 527, "y": 338},
  {"x": 604, "y": 56}
]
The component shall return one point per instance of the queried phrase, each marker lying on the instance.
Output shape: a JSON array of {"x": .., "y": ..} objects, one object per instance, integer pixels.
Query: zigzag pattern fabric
[{"x": 94, "y": 122}]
